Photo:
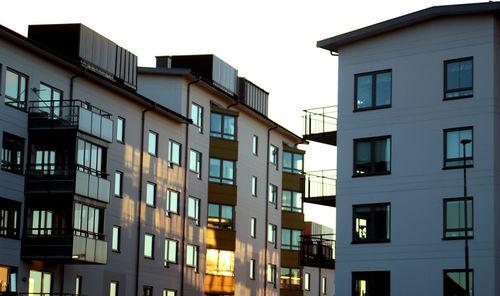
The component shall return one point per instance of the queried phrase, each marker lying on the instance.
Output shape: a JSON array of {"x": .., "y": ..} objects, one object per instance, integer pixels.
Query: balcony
[
  {"x": 321, "y": 187},
  {"x": 64, "y": 246},
  {"x": 65, "y": 178},
  {"x": 318, "y": 250},
  {"x": 74, "y": 114},
  {"x": 320, "y": 125}
]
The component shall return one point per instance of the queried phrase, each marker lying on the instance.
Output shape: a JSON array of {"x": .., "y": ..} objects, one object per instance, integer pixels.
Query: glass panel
[
  {"x": 35, "y": 282},
  {"x": 383, "y": 89},
  {"x": 78, "y": 216},
  {"x": 286, "y": 199},
  {"x": 285, "y": 238},
  {"x": 113, "y": 289},
  {"x": 363, "y": 157},
  {"x": 455, "y": 283},
  {"x": 213, "y": 210},
  {"x": 287, "y": 161},
  {"x": 228, "y": 127},
  {"x": 47, "y": 280},
  {"x": 11, "y": 84},
  {"x": 297, "y": 201},
  {"x": 152, "y": 143},
  {"x": 298, "y": 163},
  {"x": 465, "y": 74},
  {"x": 172, "y": 251},
  {"x": 227, "y": 171},
  {"x": 119, "y": 129},
  {"x": 148, "y": 245},
  {"x": 174, "y": 197},
  {"x": 296, "y": 239},
  {"x": 452, "y": 76},
  {"x": 191, "y": 207},
  {"x": 364, "y": 91},
  {"x": 453, "y": 149},
  {"x": 381, "y": 155},
  {"x": 381, "y": 224},
  {"x": 150, "y": 194},
  {"x": 215, "y": 125},
  {"x": 118, "y": 184},
  {"x": 189, "y": 255},
  {"x": 115, "y": 240},
  {"x": 215, "y": 168}
]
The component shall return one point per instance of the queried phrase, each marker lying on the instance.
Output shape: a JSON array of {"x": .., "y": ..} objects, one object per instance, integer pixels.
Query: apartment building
[
  {"x": 126, "y": 180},
  {"x": 417, "y": 103}
]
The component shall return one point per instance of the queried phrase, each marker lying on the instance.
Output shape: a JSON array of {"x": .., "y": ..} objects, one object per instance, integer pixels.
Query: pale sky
[{"x": 271, "y": 42}]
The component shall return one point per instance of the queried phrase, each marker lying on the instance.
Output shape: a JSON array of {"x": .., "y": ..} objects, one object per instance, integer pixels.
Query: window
[
  {"x": 118, "y": 183},
  {"x": 170, "y": 252},
  {"x": 223, "y": 126},
  {"x": 115, "y": 242},
  {"x": 194, "y": 209},
  {"x": 290, "y": 278},
  {"x": 172, "y": 206},
  {"x": 120, "y": 130},
  {"x": 271, "y": 233},
  {"x": 167, "y": 292},
  {"x": 254, "y": 186},
  {"x": 293, "y": 162},
  {"x": 16, "y": 86},
  {"x": 323, "y": 285},
  {"x": 458, "y": 78},
  {"x": 88, "y": 221},
  {"x": 113, "y": 288},
  {"x": 372, "y": 156},
  {"x": 153, "y": 143},
  {"x": 149, "y": 241},
  {"x": 251, "y": 271},
  {"x": 454, "y": 282},
  {"x": 12, "y": 153},
  {"x": 371, "y": 283},
  {"x": 371, "y": 223},
  {"x": 454, "y": 218},
  {"x": 454, "y": 149},
  {"x": 307, "y": 281},
  {"x": 45, "y": 161},
  {"x": 40, "y": 283},
  {"x": 273, "y": 155},
  {"x": 372, "y": 90},
  {"x": 9, "y": 218},
  {"x": 255, "y": 145},
  {"x": 273, "y": 193},
  {"x": 192, "y": 256},
  {"x": 220, "y": 262},
  {"x": 150, "y": 194},
  {"x": 271, "y": 273},
  {"x": 50, "y": 100},
  {"x": 290, "y": 239},
  {"x": 220, "y": 216},
  {"x": 42, "y": 221},
  {"x": 147, "y": 291},
  {"x": 91, "y": 158},
  {"x": 174, "y": 153},
  {"x": 78, "y": 285},
  {"x": 222, "y": 171},
  {"x": 195, "y": 162},
  {"x": 253, "y": 227},
  {"x": 197, "y": 116},
  {"x": 291, "y": 201}
]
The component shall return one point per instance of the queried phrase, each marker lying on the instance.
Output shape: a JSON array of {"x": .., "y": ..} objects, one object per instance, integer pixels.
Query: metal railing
[
  {"x": 61, "y": 232},
  {"x": 321, "y": 183},
  {"x": 65, "y": 170},
  {"x": 44, "y": 294},
  {"x": 320, "y": 120},
  {"x": 318, "y": 249}
]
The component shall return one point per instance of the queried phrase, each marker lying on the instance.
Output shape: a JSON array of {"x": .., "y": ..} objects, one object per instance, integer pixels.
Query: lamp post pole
[{"x": 465, "y": 142}]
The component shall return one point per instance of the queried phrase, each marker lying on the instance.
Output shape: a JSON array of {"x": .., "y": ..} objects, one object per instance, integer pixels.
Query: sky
[{"x": 271, "y": 42}]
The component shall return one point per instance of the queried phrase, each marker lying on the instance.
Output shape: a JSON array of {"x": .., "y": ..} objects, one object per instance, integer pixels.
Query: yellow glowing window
[{"x": 220, "y": 262}]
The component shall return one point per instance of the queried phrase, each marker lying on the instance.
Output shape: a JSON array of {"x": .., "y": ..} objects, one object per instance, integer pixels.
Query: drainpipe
[
  {"x": 139, "y": 206},
  {"x": 186, "y": 151},
  {"x": 232, "y": 105},
  {"x": 267, "y": 207}
]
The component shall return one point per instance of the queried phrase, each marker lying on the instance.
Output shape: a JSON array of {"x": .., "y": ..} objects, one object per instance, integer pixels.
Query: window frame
[
  {"x": 445, "y": 80},
  {"x": 466, "y": 230},
  {"x": 195, "y": 258},
  {"x": 272, "y": 234},
  {"x": 152, "y": 250},
  {"x": 293, "y": 197},
  {"x": 375, "y": 275},
  {"x": 255, "y": 145},
  {"x": 52, "y": 107},
  {"x": 78, "y": 285},
  {"x": 307, "y": 281},
  {"x": 171, "y": 145},
  {"x": 373, "y": 75},
  {"x": 156, "y": 137},
  {"x": 155, "y": 194},
  {"x": 197, "y": 203},
  {"x": 219, "y": 268},
  {"x": 118, "y": 239},
  {"x": 459, "y": 159},
  {"x": 323, "y": 285},
  {"x": 272, "y": 197},
  {"x": 17, "y": 103},
  {"x": 221, "y": 179},
  {"x": 290, "y": 246},
  {"x": 253, "y": 227},
  {"x": 13, "y": 221},
  {"x": 254, "y": 186},
  {"x": 372, "y": 140},
  {"x": 120, "y": 184},
  {"x": 171, "y": 194},
  {"x": 370, "y": 240},
  {"x": 219, "y": 224},
  {"x": 199, "y": 116},
  {"x": 116, "y": 287},
  {"x": 288, "y": 284},
  {"x": 251, "y": 271},
  {"x": 222, "y": 134},
  {"x": 271, "y": 274},
  {"x": 274, "y": 155},
  {"x": 166, "y": 292},
  {"x": 18, "y": 145},
  {"x": 471, "y": 282},
  {"x": 123, "y": 121},
  {"x": 292, "y": 169},
  {"x": 197, "y": 161},
  {"x": 166, "y": 256}
]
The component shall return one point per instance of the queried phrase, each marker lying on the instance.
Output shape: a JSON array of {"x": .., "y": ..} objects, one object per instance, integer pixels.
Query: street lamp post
[{"x": 464, "y": 143}]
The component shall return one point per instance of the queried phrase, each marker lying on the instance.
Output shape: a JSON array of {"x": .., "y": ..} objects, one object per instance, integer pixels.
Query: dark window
[
  {"x": 373, "y": 90},
  {"x": 220, "y": 216},
  {"x": 371, "y": 283},
  {"x": 372, "y": 156},
  {"x": 290, "y": 239},
  {"x": 147, "y": 291},
  {"x": 16, "y": 87},
  {"x": 290, "y": 278},
  {"x": 293, "y": 162},
  {"x": 454, "y": 282},
  {"x": 453, "y": 148},
  {"x": 12, "y": 153},
  {"x": 120, "y": 130},
  {"x": 291, "y": 201},
  {"x": 221, "y": 171},
  {"x": 454, "y": 218},
  {"x": 223, "y": 126},
  {"x": 371, "y": 223},
  {"x": 9, "y": 218},
  {"x": 50, "y": 100},
  {"x": 458, "y": 78}
]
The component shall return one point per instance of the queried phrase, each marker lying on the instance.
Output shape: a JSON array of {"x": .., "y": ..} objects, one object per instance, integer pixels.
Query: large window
[
  {"x": 9, "y": 218},
  {"x": 50, "y": 100},
  {"x": 371, "y": 283},
  {"x": 293, "y": 162},
  {"x": 150, "y": 194},
  {"x": 194, "y": 209},
  {"x": 42, "y": 221},
  {"x": 372, "y": 156},
  {"x": 373, "y": 90},
  {"x": 8, "y": 280},
  {"x": 454, "y": 218},
  {"x": 149, "y": 242},
  {"x": 371, "y": 223},
  {"x": 192, "y": 256},
  {"x": 454, "y": 149},
  {"x": 40, "y": 283},
  {"x": 197, "y": 116},
  {"x": 153, "y": 143},
  {"x": 290, "y": 239},
  {"x": 172, "y": 206},
  {"x": 195, "y": 162},
  {"x": 222, "y": 171},
  {"x": 220, "y": 262},
  {"x": 120, "y": 130},
  {"x": 88, "y": 221},
  {"x": 220, "y": 216},
  {"x": 16, "y": 87},
  {"x": 174, "y": 153},
  {"x": 458, "y": 78},
  {"x": 291, "y": 201},
  {"x": 223, "y": 126},
  {"x": 91, "y": 158},
  {"x": 170, "y": 252},
  {"x": 12, "y": 153},
  {"x": 454, "y": 282},
  {"x": 115, "y": 240},
  {"x": 167, "y": 292},
  {"x": 290, "y": 278}
]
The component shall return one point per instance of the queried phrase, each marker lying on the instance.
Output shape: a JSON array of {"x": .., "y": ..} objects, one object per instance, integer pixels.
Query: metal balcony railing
[
  {"x": 320, "y": 120},
  {"x": 321, "y": 187},
  {"x": 318, "y": 250}
]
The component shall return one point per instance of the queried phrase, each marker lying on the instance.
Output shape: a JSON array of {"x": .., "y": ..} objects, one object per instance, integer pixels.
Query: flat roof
[{"x": 333, "y": 43}]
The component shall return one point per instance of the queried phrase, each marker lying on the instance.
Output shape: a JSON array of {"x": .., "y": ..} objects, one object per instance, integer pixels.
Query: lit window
[
  {"x": 273, "y": 155},
  {"x": 323, "y": 285},
  {"x": 273, "y": 193},
  {"x": 169, "y": 292},
  {"x": 91, "y": 158},
  {"x": 151, "y": 194},
  {"x": 220, "y": 262},
  {"x": 373, "y": 90},
  {"x": 253, "y": 227},
  {"x": 290, "y": 239},
  {"x": 371, "y": 223},
  {"x": 372, "y": 283},
  {"x": 220, "y": 216},
  {"x": 192, "y": 256},
  {"x": 12, "y": 153},
  {"x": 118, "y": 183},
  {"x": 8, "y": 278},
  {"x": 50, "y": 100},
  {"x": 153, "y": 143},
  {"x": 293, "y": 162},
  {"x": 115, "y": 241},
  {"x": 149, "y": 241},
  {"x": 172, "y": 206},
  {"x": 40, "y": 282},
  {"x": 174, "y": 153},
  {"x": 291, "y": 201},
  {"x": 290, "y": 278},
  {"x": 223, "y": 126},
  {"x": 454, "y": 282},
  {"x": 9, "y": 218},
  {"x": 454, "y": 221},
  {"x": 271, "y": 233},
  {"x": 307, "y": 281},
  {"x": 255, "y": 145},
  {"x": 15, "y": 89},
  {"x": 170, "y": 252},
  {"x": 120, "y": 130},
  {"x": 78, "y": 285},
  {"x": 88, "y": 221},
  {"x": 458, "y": 78},
  {"x": 254, "y": 186},
  {"x": 195, "y": 162},
  {"x": 197, "y": 116},
  {"x": 372, "y": 156},
  {"x": 42, "y": 220},
  {"x": 221, "y": 171},
  {"x": 454, "y": 149}
]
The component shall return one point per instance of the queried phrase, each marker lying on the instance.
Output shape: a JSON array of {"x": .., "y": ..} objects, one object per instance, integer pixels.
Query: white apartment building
[{"x": 410, "y": 90}]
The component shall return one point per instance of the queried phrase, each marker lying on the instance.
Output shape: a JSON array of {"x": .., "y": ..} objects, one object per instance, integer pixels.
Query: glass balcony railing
[{"x": 74, "y": 113}]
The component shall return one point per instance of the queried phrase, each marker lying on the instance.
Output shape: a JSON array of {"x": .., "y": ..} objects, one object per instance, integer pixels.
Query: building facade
[
  {"x": 412, "y": 92},
  {"x": 124, "y": 180}
]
